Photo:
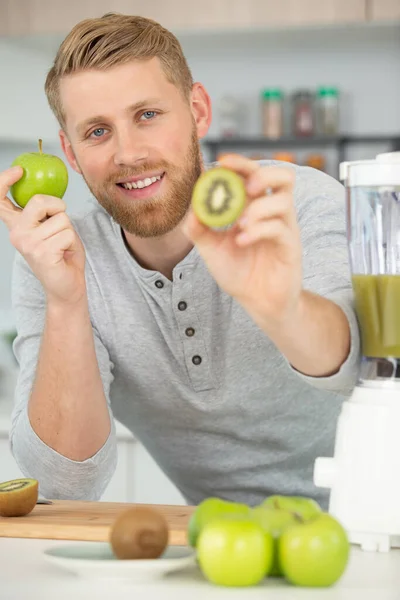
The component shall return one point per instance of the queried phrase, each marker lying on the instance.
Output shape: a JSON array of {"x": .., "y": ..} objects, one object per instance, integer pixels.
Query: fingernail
[{"x": 15, "y": 168}]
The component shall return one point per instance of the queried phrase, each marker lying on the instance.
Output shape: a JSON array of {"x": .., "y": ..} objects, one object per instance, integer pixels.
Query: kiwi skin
[
  {"x": 219, "y": 197},
  {"x": 139, "y": 532},
  {"x": 18, "y": 497}
]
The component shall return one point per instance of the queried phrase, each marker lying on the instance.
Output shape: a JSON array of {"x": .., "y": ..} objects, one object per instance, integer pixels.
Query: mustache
[{"x": 130, "y": 172}]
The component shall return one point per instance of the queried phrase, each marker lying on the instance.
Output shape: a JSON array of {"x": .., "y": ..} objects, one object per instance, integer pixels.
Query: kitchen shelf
[{"x": 340, "y": 143}]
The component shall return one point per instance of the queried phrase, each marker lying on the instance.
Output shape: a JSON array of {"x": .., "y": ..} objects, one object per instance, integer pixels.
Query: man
[{"x": 227, "y": 354}]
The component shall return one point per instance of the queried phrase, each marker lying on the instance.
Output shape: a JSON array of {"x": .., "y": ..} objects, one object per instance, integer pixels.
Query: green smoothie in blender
[{"x": 377, "y": 302}]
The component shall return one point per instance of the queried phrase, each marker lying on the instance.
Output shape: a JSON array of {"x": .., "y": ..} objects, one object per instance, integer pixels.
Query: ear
[
  {"x": 69, "y": 153},
  {"x": 201, "y": 109}
]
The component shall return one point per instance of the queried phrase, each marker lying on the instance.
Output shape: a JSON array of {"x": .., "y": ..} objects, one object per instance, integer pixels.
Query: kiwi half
[
  {"x": 18, "y": 497},
  {"x": 139, "y": 532},
  {"x": 219, "y": 197}
]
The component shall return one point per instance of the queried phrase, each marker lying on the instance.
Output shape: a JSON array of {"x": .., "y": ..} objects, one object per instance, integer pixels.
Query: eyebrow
[{"x": 81, "y": 127}]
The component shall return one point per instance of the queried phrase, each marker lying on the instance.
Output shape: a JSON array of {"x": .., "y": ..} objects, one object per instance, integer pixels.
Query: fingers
[
  {"x": 272, "y": 229},
  {"x": 39, "y": 208},
  {"x": 50, "y": 227},
  {"x": 196, "y": 231},
  {"x": 267, "y": 207},
  {"x": 241, "y": 164},
  {"x": 277, "y": 179},
  {"x": 9, "y": 212},
  {"x": 8, "y": 178},
  {"x": 259, "y": 178},
  {"x": 27, "y": 239},
  {"x": 51, "y": 251}
]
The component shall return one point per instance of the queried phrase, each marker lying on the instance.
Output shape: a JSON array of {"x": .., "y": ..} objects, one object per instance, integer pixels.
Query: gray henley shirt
[{"x": 186, "y": 369}]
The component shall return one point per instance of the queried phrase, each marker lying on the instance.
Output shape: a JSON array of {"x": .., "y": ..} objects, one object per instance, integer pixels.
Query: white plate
[{"x": 96, "y": 560}]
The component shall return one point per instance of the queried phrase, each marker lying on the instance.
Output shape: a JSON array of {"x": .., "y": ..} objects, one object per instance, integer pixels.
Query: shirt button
[
  {"x": 189, "y": 331},
  {"x": 159, "y": 284},
  {"x": 196, "y": 360},
  {"x": 182, "y": 305}
]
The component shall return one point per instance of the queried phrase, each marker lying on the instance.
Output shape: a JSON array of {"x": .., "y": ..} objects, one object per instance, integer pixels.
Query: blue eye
[
  {"x": 98, "y": 132},
  {"x": 149, "y": 114}
]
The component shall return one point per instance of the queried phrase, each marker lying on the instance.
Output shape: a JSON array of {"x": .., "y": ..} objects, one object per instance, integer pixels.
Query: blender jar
[{"x": 373, "y": 231}]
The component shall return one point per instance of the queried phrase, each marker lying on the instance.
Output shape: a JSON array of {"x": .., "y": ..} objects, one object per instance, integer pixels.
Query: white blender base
[{"x": 364, "y": 474}]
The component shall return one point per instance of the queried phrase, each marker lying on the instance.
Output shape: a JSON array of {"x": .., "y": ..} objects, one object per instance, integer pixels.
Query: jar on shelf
[
  {"x": 288, "y": 157},
  {"x": 272, "y": 113},
  {"x": 316, "y": 161},
  {"x": 328, "y": 111},
  {"x": 303, "y": 113},
  {"x": 230, "y": 117}
]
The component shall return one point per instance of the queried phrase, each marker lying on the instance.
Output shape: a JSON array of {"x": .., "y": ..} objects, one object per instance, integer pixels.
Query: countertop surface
[{"x": 24, "y": 573}]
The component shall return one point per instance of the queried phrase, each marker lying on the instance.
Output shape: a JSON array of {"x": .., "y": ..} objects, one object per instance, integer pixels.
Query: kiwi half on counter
[
  {"x": 18, "y": 497},
  {"x": 219, "y": 197}
]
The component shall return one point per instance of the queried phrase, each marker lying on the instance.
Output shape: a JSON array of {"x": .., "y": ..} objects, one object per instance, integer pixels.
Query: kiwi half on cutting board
[
  {"x": 219, "y": 197},
  {"x": 18, "y": 497}
]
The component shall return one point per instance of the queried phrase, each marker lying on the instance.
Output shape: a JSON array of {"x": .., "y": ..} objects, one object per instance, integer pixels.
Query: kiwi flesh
[
  {"x": 18, "y": 497},
  {"x": 219, "y": 197},
  {"x": 139, "y": 532}
]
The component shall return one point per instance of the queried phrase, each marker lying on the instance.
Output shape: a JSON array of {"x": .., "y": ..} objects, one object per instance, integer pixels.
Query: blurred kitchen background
[{"x": 307, "y": 81}]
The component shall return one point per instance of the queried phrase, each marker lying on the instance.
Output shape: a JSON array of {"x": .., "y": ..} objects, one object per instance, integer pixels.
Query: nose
[{"x": 130, "y": 148}]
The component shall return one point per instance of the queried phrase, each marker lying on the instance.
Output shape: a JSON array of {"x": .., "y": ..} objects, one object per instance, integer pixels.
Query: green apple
[
  {"x": 43, "y": 174},
  {"x": 212, "y": 508},
  {"x": 314, "y": 553},
  {"x": 235, "y": 551},
  {"x": 274, "y": 521},
  {"x": 302, "y": 506}
]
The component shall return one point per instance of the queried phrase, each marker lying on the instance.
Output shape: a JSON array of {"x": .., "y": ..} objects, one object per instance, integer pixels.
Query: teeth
[{"x": 141, "y": 183}]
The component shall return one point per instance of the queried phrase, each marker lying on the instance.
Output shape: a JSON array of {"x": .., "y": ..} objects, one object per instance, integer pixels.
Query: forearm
[
  {"x": 315, "y": 339},
  {"x": 67, "y": 408}
]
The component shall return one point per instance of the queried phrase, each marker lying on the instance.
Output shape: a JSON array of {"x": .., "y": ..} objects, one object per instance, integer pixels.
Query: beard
[{"x": 160, "y": 214}]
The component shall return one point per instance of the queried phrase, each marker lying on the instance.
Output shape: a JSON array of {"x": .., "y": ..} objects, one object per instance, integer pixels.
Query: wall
[{"x": 364, "y": 62}]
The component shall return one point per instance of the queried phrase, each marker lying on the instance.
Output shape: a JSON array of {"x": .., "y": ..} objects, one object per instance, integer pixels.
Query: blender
[{"x": 364, "y": 473}]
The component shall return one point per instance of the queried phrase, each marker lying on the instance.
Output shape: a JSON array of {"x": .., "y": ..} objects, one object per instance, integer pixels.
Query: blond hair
[{"x": 111, "y": 40}]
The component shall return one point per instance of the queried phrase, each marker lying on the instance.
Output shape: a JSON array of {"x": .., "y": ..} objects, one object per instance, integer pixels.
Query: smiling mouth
[{"x": 139, "y": 184}]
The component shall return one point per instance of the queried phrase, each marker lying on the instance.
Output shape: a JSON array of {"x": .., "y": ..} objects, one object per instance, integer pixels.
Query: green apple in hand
[
  {"x": 301, "y": 505},
  {"x": 235, "y": 551},
  {"x": 210, "y": 509},
  {"x": 43, "y": 174},
  {"x": 314, "y": 553},
  {"x": 274, "y": 521}
]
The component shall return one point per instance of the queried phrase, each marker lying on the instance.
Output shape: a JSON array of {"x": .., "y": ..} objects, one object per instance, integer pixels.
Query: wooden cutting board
[{"x": 86, "y": 521}]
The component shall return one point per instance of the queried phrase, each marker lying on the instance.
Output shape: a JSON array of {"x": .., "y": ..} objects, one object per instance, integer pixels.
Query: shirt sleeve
[
  {"x": 58, "y": 476},
  {"x": 321, "y": 206}
]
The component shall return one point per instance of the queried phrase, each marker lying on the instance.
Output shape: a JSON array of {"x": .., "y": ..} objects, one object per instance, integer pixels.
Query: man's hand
[
  {"x": 258, "y": 261},
  {"x": 43, "y": 234}
]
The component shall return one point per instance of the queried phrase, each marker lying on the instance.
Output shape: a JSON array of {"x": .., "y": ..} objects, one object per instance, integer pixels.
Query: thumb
[{"x": 199, "y": 234}]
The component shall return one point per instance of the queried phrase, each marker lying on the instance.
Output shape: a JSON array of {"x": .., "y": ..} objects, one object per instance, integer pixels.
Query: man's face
[{"x": 134, "y": 138}]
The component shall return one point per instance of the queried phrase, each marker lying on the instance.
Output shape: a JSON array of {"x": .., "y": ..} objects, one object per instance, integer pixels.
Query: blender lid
[
  {"x": 384, "y": 170},
  {"x": 389, "y": 157}
]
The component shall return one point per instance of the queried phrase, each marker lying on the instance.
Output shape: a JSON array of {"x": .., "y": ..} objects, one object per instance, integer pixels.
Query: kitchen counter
[{"x": 24, "y": 573}]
